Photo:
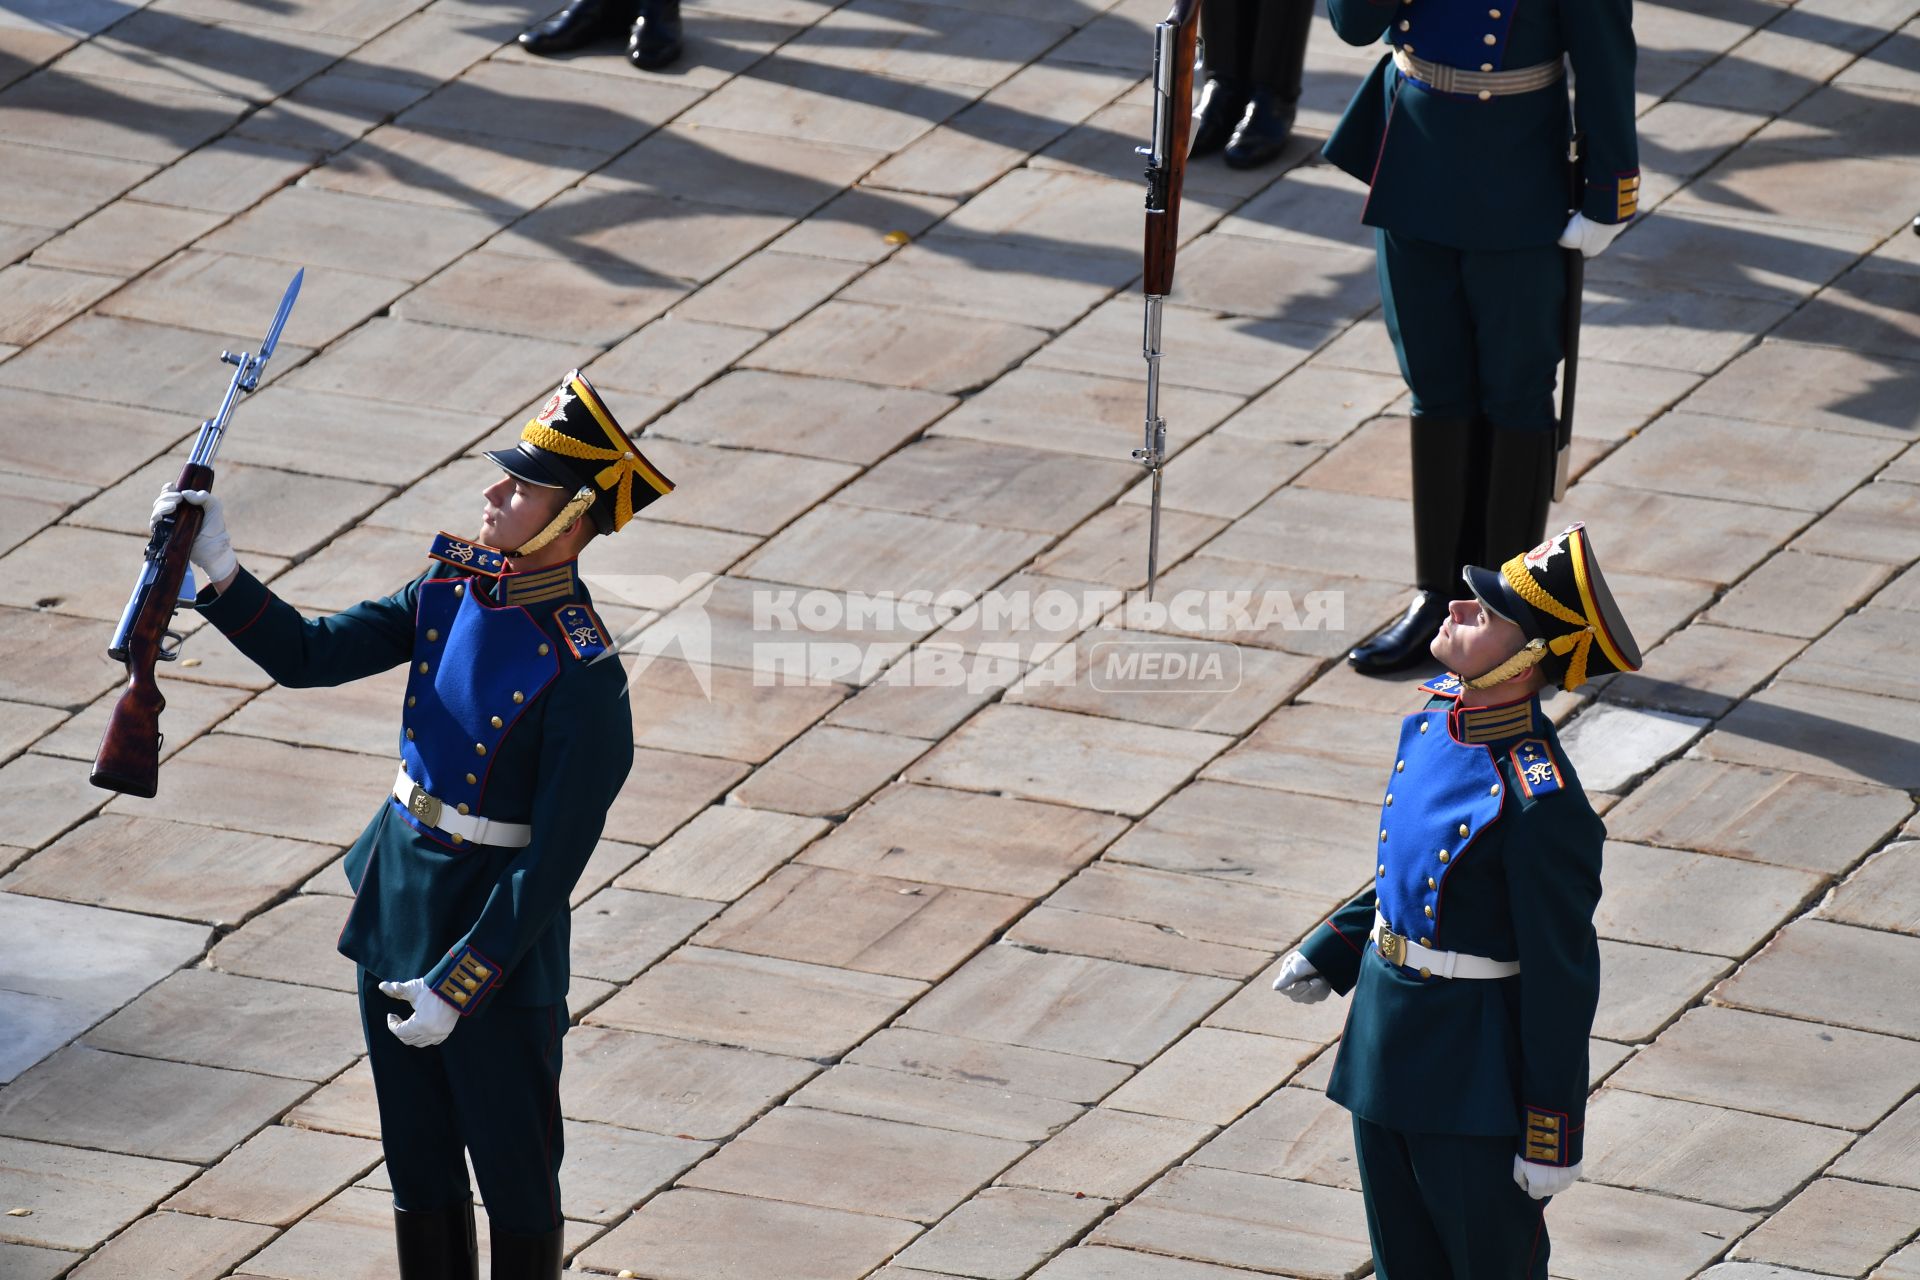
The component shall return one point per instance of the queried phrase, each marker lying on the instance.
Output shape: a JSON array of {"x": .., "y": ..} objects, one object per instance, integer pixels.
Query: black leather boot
[
  {"x": 1222, "y": 103},
  {"x": 1442, "y": 456},
  {"x": 580, "y": 24},
  {"x": 1520, "y": 475},
  {"x": 437, "y": 1244},
  {"x": 655, "y": 40},
  {"x": 1277, "y": 67},
  {"x": 518, "y": 1257}
]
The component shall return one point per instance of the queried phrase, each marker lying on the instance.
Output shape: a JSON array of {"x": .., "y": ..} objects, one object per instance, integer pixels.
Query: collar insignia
[
  {"x": 1445, "y": 686},
  {"x": 475, "y": 557},
  {"x": 1535, "y": 768},
  {"x": 581, "y": 629}
]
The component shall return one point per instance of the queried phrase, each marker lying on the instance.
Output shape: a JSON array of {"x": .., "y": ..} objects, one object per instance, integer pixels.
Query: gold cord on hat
[
  {"x": 1579, "y": 642},
  {"x": 575, "y": 508}
]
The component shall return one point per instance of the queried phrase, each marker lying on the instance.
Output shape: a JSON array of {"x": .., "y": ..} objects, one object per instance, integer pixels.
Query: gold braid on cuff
[{"x": 575, "y": 508}]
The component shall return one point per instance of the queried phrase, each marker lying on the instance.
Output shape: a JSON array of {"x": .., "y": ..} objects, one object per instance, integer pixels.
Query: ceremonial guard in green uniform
[
  {"x": 516, "y": 735},
  {"x": 1461, "y": 133},
  {"x": 1471, "y": 957}
]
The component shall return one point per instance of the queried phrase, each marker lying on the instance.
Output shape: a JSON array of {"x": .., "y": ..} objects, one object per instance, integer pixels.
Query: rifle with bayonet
[
  {"x": 1576, "y": 269},
  {"x": 129, "y": 757},
  {"x": 1173, "y": 49}
]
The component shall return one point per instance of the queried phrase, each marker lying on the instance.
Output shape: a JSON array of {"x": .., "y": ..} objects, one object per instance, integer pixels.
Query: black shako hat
[
  {"x": 1555, "y": 594},
  {"x": 574, "y": 443}
]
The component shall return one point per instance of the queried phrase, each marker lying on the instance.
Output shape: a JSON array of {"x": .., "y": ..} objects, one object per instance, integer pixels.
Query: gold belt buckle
[
  {"x": 423, "y": 806},
  {"x": 1393, "y": 947}
]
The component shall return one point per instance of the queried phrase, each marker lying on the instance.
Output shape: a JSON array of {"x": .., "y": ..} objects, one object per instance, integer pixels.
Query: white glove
[
  {"x": 1543, "y": 1180},
  {"x": 1298, "y": 980},
  {"x": 212, "y": 551},
  {"x": 433, "y": 1019},
  {"x": 1589, "y": 237}
]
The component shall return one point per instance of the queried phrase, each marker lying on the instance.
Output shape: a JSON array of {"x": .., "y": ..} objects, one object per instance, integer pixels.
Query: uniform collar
[
  {"x": 1494, "y": 723},
  {"x": 555, "y": 582}
]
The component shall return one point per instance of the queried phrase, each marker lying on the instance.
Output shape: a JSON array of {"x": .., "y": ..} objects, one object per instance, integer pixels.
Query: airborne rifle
[
  {"x": 1173, "y": 48},
  {"x": 129, "y": 757}
]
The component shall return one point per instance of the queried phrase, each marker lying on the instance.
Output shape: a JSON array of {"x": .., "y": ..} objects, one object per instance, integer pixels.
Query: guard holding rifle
[
  {"x": 515, "y": 738},
  {"x": 1462, "y": 134},
  {"x": 1471, "y": 957}
]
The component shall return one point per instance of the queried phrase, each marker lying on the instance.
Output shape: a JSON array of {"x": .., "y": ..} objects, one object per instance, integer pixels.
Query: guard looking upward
[
  {"x": 1471, "y": 957},
  {"x": 1461, "y": 132},
  {"x": 515, "y": 737}
]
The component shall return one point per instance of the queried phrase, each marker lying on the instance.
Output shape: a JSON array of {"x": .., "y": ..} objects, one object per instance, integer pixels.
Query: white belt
[
  {"x": 1481, "y": 84},
  {"x": 1395, "y": 949},
  {"x": 462, "y": 827}
]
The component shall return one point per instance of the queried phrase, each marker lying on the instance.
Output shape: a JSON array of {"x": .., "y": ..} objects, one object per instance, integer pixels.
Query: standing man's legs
[
  {"x": 1428, "y": 310},
  {"x": 1518, "y": 299},
  {"x": 1446, "y": 1207},
  {"x": 426, "y": 1164},
  {"x": 503, "y": 1076}
]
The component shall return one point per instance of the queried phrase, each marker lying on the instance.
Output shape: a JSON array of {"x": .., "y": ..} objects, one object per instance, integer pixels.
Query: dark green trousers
[
  {"x": 1446, "y": 1207},
  {"x": 1479, "y": 333},
  {"x": 492, "y": 1090}
]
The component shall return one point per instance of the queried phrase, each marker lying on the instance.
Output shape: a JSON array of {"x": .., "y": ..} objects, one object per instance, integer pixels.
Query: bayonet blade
[{"x": 280, "y": 317}]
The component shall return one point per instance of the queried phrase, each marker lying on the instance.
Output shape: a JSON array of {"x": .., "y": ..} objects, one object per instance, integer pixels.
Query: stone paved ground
[{"x": 879, "y": 977}]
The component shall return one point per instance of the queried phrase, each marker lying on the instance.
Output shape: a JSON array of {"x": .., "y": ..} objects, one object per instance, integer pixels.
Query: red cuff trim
[
  {"x": 1349, "y": 941},
  {"x": 255, "y": 618}
]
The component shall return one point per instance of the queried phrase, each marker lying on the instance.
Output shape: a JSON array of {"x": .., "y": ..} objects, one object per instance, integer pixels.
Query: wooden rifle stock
[
  {"x": 129, "y": 757},
  {"x": 1164, "y": 187}
]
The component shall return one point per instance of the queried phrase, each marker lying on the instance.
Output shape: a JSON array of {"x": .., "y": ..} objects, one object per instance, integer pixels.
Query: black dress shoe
[
  {"x": 437, "y": 1244},
  {"x": 1404, "y": 644},
  {"x": 526, "y": 1257},
  {"x": 1263, "y": 131},
  {"x": 580, "y": 24},
  {"x": 1222, "y": 103},
  {"x": 655, "y": 41}
]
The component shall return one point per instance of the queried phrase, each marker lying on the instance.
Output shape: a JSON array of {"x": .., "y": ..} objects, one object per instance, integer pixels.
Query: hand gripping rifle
[
  {"x": 129, "y": 755},
  {"x": 1173, "y": 43}
]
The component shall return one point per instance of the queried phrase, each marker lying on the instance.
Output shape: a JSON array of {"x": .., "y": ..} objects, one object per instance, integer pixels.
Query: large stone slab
[
  {"x": 875, "y": 924},
  {"x": 1881, "y": 894},
  {"x": 101, "y": 116},
  {"x": 856, "y": 1163},
  {"x": 1776, "y": 1066},
  {"x": 1796, "y": 385},
  {"x": 1875, "y": 522},
  {"x": 1605, "y": 1233},
  {"x": 296, "y": 941},
  {"x": 1088, "y": 1262},
  {"x": 818, "y": 417},
  {"x": 1832, "y": 973},
  {"x": 1046, "y": 928},
  {"x": 1223, "y": 830},
  {"x": 407, "y": 361},
  {"x": 739, "y": 170},
  {"x": 350, "y": 1237},
  {"x": 1078, "y": 413},
  {"x": 346, "y": 1106},
  {"x": 1611, "y": 745},
  {"x": 952, "y": 1059},
  {"x": 1242, "y": 1219},
  {"x": 1838, "y": 733},
  {"x": 167, "y": 869},
  {"x": 1296, "y": 1133},
  {"x": 1314, "y": 749},
  {"x": 778, "y": 1006},
  {"x": 1769, "y": 815},
  {"x": 225, "y": 293},
  {"x": 1822, "y": 590},
  {"x": 914, "y": 1098},
  {"x": 664, "y": 790},
  {"x": 1694, "y": 901},
  {"x": 1164, "y": 680},
  {"x": 1703, "y": 670},
  {"x": 1835, "y": 1227},
  {"x": 1070, "y": 759},
  {"x": 1206, "y": 908},
  {"x": 1211, "y": 1075},
  {"x": 858, "y": 549},
  {"x": 828, "y": 771},
  {"x": 614, "y": 225},
  {"x": 1871, "y": 651},
  {"x": 609, "y": 1170},
  {"x": 277, "y": 1176},
  {"x": 998, "y": 485},
  {"x": 722, "y": 853},
  {"x": 551, "y": 298},
  {"x": 1731, "y": 1158},
  {"x": 1071, "y": 1004},
  {"x": 701, "y": 1235},
  {"x": 936, "y": 352},
  {"x": 618, "y": 932},
  {"x": 1004, "y": 1233},
  {"x": 725, "y": 711},
  {"x": 179, "y": 1244},
  {"x": 76, "y": 1197},
  {"x": 141, "y": 1106},
  {"x": 300, "y": 1032},
  {"x": 332, "y": 229},
  {"x": 250, "y": 784},
  {"x": 67, "y": 966},
  {"x": 671, "y": 1087},
  {"x": 1108, "y": 1153},
  {"x": 1890, "y": 1153}
]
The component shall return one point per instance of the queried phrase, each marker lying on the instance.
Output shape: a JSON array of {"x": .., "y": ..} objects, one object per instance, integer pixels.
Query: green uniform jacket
[
  {"x": 475, "y": 920},
  {"x": 1485, "y": 823},
  {"x": 1468, "y": 173}
]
